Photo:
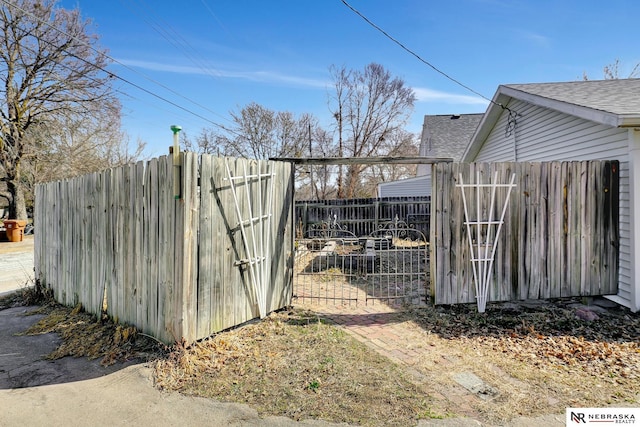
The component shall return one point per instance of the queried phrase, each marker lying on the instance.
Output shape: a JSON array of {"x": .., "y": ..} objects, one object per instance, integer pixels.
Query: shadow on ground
[{"x": 23, "y": 360}]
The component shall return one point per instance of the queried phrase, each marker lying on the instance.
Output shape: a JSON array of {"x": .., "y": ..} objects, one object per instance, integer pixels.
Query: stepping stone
[{"x": 475, "y": 385}]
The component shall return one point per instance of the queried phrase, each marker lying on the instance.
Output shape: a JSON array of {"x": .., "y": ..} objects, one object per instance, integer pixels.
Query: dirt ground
[
  {"x": 527, "y": 359},
  {"x": 430, "y": 364},
  {"x": 531, "y": 359}
]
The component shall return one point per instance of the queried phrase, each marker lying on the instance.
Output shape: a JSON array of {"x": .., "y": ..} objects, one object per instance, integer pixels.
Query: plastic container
[{"x": 15, "y": 229}]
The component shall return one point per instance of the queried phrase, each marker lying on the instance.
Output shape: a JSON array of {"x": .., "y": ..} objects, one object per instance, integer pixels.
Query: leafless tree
[
  {"x": 258, "y": 133},
  {"x": 315, "y": 182},
  {"x": 368, "y": 107},
  {"x": 208, "y": 141},
  {"x": 81, "y": 144},
  {"x": 612, "y": 71},
  {"x": 50, "y": 69},
  {"x": 399, "y": 143},
  {"x": 261, "y": 133}
]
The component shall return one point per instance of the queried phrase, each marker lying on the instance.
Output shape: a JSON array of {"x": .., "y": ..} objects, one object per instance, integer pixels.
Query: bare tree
[
  {"x": 261, "y": 133},
  {"x": 207, "y": 142},
  {"x": 316, "y": 182},
  {"x": 399, "y": 143},
  {"x": 49, "y": 70},
  {"x": 81, "y": 144},
  {"x": 258, "y": 133},
  {"x": 368, "y": 107},
  {"x": 612, "y": 71}
]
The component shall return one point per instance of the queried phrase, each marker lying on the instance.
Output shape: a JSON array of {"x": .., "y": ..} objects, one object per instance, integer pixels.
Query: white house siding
[
  {"x": 544, "y": 135},
  {"x": 423, "y": 169},
  {"x": 419, "y": 186}
]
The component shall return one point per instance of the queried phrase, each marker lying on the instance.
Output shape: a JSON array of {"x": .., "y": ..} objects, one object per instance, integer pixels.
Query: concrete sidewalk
[
  {"x": 124, "y": 398},
  {"x": 80, "y": 392},
  {"x": 16, "y": 264}
]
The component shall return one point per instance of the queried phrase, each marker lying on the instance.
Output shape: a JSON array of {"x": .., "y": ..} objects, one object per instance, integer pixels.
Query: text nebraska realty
[{"x": 579, "y": 417}]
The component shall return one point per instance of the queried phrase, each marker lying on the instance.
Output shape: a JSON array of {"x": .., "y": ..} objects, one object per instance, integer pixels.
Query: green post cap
[{"x": 176, "y": 128}]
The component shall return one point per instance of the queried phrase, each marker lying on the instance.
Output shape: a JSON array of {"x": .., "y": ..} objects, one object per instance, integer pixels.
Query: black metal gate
[{"x": 333, "y": 265}]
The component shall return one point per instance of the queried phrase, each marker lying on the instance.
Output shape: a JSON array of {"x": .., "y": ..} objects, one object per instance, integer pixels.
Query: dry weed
[
  {"x": 295, "y": 365},
  {"x": 85, "y": 336},
  {"x": 541, "y": 360}
]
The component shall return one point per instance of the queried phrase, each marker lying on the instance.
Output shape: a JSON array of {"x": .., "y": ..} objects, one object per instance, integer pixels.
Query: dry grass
[
  {"x": 540, "y": 360},
  {"x": 34, "y": 294},
  {"x": 83, "y": 335},
  {"x": 294, "y": 364}
]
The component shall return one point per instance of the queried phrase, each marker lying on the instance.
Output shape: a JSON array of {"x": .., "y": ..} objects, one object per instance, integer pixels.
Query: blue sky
[{"x": 215, "y": 56}]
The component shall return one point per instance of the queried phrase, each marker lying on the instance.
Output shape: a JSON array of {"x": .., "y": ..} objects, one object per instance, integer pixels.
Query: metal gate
[{"x": 333, "y": 265}]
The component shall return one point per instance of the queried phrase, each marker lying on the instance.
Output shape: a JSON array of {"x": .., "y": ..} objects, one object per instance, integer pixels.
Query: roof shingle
[
  {"x": 619, "y": 96},
  {"x": 448, "y": 135}
]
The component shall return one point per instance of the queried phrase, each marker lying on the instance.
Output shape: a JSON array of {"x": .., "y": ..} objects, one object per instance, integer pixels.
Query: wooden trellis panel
[
  {"x": 163, "y": 264},
  {"x": 560, "y": 236}
]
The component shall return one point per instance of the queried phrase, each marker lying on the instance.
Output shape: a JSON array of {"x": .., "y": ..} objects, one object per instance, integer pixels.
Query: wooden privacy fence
[
  {"x": 363, "y": 216},
  {"x": 119, "y": 240},
  {"x": 559, "y": 238}
]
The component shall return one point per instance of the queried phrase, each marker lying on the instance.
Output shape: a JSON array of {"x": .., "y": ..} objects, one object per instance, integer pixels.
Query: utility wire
[
  {"x": 166, "y": 31},
  {"x": 216, "y": 18},
  {"x": 67, "y": 67},
  {"x": 6, "y": 2},
  {"x": 173, "y": 37},
  {"x": 416, "y": 55}
]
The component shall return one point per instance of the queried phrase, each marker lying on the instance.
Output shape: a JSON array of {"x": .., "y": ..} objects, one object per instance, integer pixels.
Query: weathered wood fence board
[
  {"x": 559, "y": 239},
  {"x": 163, "y": 264}
]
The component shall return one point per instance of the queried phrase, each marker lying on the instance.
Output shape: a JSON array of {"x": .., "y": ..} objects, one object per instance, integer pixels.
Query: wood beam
[{"x": 415, "y": 160}]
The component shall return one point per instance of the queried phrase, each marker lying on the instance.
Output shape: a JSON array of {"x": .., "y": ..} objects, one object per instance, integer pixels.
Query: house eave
[
  {"x": 489, "y": 119},
  {"x": 504, "y": 95},
  {"x": 587, "y": 113},
  {"x": 629, "y": 121}
]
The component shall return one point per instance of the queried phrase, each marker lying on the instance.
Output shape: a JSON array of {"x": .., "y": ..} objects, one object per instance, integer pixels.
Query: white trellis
[
  {"x": 483, "y": 247},
  {"x": 255, "y": 227}
]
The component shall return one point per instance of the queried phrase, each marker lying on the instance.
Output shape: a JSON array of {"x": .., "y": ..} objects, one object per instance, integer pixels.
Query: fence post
[
  {"x": 376, "y": 222},
  {"x": 305, "y": 220},
  {"x": 175, "y": 151}
]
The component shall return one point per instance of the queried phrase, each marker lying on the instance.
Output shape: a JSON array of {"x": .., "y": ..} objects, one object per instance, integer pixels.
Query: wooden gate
[{"x": 560, "y": 235}]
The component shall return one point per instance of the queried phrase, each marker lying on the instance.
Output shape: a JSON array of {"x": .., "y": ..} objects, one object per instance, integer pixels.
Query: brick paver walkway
[
  {"x": 381, "y": 327},
  {"x": 388, "y": 331}
]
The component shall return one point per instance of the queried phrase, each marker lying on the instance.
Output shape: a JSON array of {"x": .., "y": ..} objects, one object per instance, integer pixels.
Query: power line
[
  {"x": 216, "y": 18},
  {"x": 415, "y": 54},
  {"x": 124, "y": 94},
  {"x": 6, "y": 2},
  {"x": 173, "y": 37}
]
